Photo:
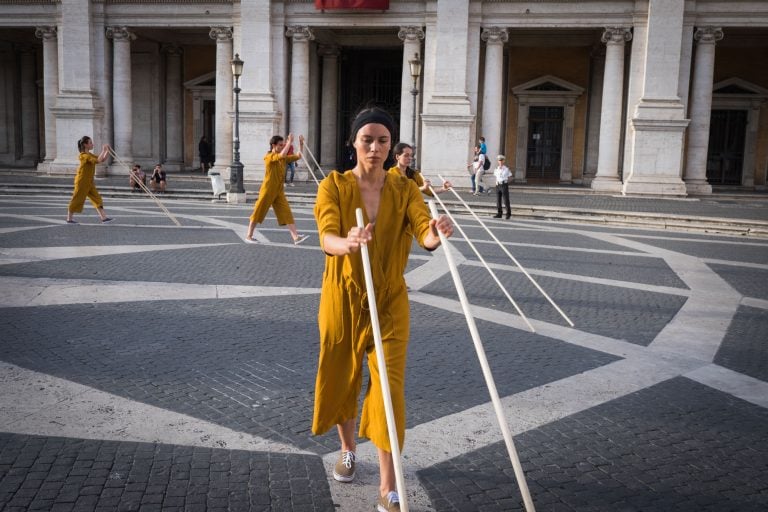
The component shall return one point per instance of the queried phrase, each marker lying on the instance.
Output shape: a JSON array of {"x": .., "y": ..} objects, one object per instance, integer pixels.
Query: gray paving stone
[
  {"x": 638, "y": 269},
  {"x": 744, "y": 347},
  {"x": 636, "y": 316},
  {"x": 307, "y": 483},
  {"x": 229, "y": 264},
  {"x": 750, "y": 282},
  {"x": 730, "y": 250},
  {"x": 716, "y": 438}
]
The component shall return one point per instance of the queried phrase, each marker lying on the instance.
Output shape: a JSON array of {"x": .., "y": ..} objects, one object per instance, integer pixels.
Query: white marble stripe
[
  {"x": 731, "y": 382},
  {"x": 30, "y": 292},
  {"x": 38, "y": 404},
  {"x": 31, "y": 254},
  {"x": 755, "y": 303}
]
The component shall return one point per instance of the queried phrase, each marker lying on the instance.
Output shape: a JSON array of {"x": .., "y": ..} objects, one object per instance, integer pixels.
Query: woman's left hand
[
  {"x": 447, "y": 185},
  {"x": 442, "y": 224}
]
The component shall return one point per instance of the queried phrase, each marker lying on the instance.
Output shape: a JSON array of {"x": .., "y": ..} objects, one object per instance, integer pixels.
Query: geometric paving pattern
[{"x": 145, "y": 366}]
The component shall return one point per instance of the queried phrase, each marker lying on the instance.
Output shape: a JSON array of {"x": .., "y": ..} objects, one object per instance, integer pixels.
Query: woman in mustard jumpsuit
[
  {"x": 392, "y": 205},
  {"x": 271, "y": 193},
  {"x": 403, "y": 157},
  {"x": 84, "y": 186}
]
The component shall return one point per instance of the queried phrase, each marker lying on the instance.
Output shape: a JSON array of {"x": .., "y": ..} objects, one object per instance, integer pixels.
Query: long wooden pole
[
  {"x": 389, "y": 412},
  {"x": 503, "y": 248},
  {"x": 314, "y": 159},
  {"x": 518, "y": 468},
  {"x": 144, "y": 188},
  {"x": 482, "y": 260}
]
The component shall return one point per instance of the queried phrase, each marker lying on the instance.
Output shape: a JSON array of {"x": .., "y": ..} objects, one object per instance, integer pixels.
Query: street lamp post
[
  {"x": 415, "y": 65},
  {"x": 236, "y": 169}
]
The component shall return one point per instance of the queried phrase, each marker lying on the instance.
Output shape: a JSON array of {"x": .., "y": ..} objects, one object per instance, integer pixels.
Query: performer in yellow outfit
[
  {"x": 271, "y": 193},
  {"x": 403, "y": 158},
  {"x": 392, "y": 205},
  {"x": 84, "y": 186}
]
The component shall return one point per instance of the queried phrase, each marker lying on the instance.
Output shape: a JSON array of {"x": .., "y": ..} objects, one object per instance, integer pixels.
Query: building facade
[{"x": 659, "y": 97}]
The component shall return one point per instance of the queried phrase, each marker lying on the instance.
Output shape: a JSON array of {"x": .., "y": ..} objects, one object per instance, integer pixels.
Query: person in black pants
[{"x": 502, "y": 175}]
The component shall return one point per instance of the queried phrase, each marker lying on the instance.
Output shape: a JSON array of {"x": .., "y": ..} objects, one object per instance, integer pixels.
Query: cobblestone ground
[{"x": 145, "y": 366}]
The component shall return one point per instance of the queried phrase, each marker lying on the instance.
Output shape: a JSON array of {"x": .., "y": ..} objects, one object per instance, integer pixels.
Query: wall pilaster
[{"x": 658, "y": 119}]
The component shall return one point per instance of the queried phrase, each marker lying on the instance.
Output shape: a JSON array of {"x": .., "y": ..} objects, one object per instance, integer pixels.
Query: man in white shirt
[{"x": 502, "y": 175}]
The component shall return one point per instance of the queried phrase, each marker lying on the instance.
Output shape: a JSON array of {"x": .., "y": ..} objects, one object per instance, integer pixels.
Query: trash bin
[{"x": 217, "y": 183}]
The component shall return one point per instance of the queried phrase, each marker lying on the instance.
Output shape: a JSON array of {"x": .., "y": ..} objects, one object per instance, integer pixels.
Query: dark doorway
[
  {"x": 725, "y": 153},
  {"x": 545, "y": 137},
  {"x": 209, "y": 124},
  {"x": 368, "y": 76}
]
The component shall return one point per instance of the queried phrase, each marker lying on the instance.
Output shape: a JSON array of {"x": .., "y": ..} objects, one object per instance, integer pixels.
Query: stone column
[
  {"x": 607, "y": 177},
  {"x": 701, "y": 110},
  {"x": 29, "y": 119},
  {"x": 50, "y": 89},
  {"x": 122, "y": 93},
  {"x": 174, "y": 109},
  {"x": 659, "y": 117},
  {"x": 329, "y": 107},
  {"x": 447, "y": 118},
  {"x": 411, "y": 38},
  {"x": 493, "y": 95},
  {"x": 224, "y": 98},
  {"x": 298, "y": 117}
]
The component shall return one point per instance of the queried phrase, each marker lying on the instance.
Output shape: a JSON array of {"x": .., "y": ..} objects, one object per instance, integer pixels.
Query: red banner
[{"x": 379, "y": 5}]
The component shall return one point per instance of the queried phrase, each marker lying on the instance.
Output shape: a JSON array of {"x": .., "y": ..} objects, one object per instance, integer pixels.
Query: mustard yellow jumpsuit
[
  {"x": 417, "y": 178},
  {"x": 344, "y": 318},
  {"x": 84, "y": 186},
  {"x": 271, "y": 192}
]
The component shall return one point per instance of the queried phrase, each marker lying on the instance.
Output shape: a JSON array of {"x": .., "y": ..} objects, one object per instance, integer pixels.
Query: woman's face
[
  {"x": 404, "y": 158},
  {"x": 88, "y": 144},
  {"x": 279, "y": 146},
  {"x": 372, "y": 144}
]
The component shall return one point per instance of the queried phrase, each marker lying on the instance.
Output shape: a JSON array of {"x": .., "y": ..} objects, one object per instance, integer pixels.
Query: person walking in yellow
[
  {"x": 271, "y": 193},
  {"x": 391, "y": 204},
  {"x": 403, "y": 158},
  {"x": 84, "y": 186}
]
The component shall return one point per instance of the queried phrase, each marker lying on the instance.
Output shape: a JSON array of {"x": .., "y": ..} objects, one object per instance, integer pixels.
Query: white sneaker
[
  {"x": 390, "y": 503},
  {"x": 300, "y": 239}
]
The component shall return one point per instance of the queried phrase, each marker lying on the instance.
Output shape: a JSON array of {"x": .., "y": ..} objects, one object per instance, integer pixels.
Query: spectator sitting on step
[
  {"x": 157, "y": 180},
  {"x": 136, "y": 176}
]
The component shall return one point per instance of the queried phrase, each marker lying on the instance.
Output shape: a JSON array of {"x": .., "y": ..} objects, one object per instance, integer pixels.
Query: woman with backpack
[{"x": 477, "y": 168}]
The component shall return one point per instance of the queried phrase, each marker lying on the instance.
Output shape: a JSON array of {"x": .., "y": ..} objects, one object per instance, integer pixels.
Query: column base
[
  {"x": 603, "y": 184},
  {"x": 235, "y": 198},
  {"x": 698, "y": 187},
  {"x": 446, "y": 137},
  {"x": 658, "y": 186}
]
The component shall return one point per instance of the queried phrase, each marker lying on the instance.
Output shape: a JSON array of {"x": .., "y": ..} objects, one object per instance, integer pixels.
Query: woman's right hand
[{"x": 358, "y": 236}]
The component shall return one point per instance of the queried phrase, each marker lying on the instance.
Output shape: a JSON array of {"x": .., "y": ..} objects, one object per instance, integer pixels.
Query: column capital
[
  {"x": 120, "y": 34},
  {"x": 220, "y": 34},
  {"x": 495, "y": 35},
  {"x": 47, "y": 32},
  {"x": 328, "y": 50},
  {"x": 708, "y": 35},
  {"x": 616, "y": 35},
  {"x": 299, "y": 33},
  {"x": 411, "y": 34}
]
